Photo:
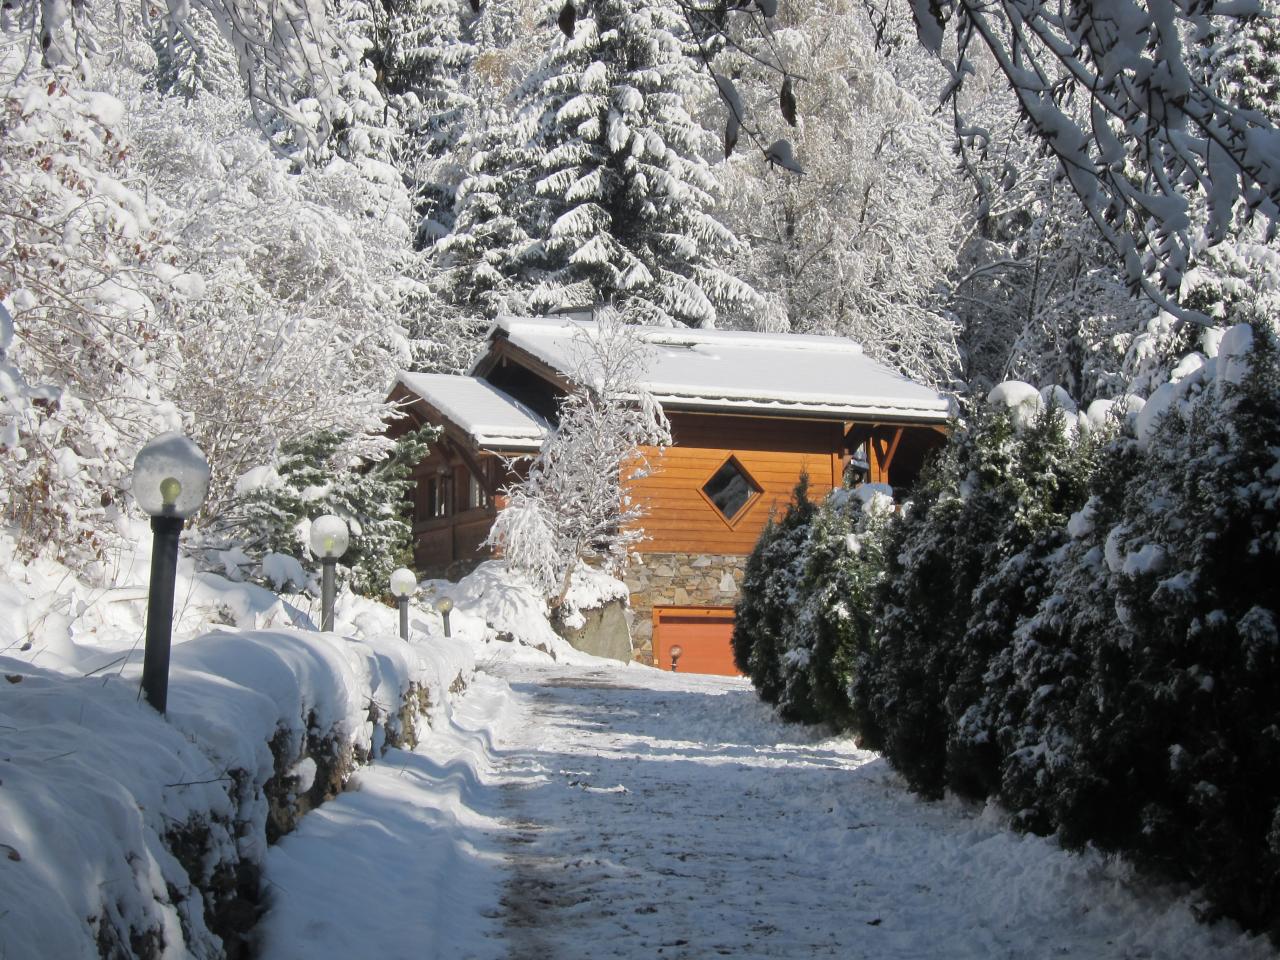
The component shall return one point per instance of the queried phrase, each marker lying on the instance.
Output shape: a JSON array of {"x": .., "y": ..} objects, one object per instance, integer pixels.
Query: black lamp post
[
  {"x": 170, "y": 480},
  {"x": 444, "y": 606},
  {"x": 404, "y": 584},
  {"x": 329, "y": 539}
]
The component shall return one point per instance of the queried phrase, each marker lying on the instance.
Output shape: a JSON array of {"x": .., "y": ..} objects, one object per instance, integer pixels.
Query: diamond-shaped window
[{"x": 731, "y": 489}]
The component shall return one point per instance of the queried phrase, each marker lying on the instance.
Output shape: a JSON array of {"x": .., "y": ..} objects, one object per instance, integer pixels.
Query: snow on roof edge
[
  {"x": 518, "y": 427},
  {"x": 751, "y": 339},
  {"x": 940, "y": 413}
]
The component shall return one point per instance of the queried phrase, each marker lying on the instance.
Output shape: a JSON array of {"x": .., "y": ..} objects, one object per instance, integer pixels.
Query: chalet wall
[
  {"x": 677, "y": 580},
  {"x": 451, "y": 519},
  {"x": 774, "y": 452}
]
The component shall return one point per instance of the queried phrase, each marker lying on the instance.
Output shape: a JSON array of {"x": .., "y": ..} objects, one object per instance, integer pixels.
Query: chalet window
[
  {"x": 424, "y": 504},
  {"x": 444, "y": 496},
  {"x": 476, "y": 495},
  {"x": 730, "y": 489}
]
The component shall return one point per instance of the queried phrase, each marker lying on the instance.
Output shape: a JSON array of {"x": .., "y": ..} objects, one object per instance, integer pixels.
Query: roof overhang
[{"x": 472, "y": 412}]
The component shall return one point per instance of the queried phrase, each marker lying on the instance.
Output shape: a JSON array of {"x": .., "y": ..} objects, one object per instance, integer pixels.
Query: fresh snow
[
  {"x": 491, "y": 418},
  {"x": 733, "y": 370},
  {"x": 559, "y": 805},
  {"x": 606, "y": 811}
]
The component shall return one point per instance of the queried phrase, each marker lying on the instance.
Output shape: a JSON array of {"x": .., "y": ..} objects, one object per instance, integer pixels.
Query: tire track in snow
[{"x": 651, "y": 815}]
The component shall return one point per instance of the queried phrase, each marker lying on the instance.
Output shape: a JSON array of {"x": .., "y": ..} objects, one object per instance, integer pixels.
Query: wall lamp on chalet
[
  {"x": 444, "y": 606},
  {"x": 404, "y": 584},
  {"x": 329, "y": 539},
  {"x": 170, "y": 481}
]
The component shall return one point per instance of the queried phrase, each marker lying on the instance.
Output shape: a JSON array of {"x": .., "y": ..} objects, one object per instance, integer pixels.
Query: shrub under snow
[{"x": 1083, "y": 628}]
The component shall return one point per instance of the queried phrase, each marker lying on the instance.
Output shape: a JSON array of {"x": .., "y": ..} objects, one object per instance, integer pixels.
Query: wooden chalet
[{"x": 749, "y": 413}]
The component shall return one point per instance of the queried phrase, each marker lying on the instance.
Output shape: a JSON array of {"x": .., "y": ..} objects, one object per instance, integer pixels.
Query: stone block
[{"x": 605, "y": 634}]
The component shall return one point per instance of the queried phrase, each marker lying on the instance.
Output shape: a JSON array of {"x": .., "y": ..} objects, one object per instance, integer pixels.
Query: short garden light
[
  {"x": 170, "y": 480},
  {"x": 329, "y": 539},
  {"x": 404, "y": 584},
  {"x": 676, "y": 652},
  {"x": 443, "y": 606}
]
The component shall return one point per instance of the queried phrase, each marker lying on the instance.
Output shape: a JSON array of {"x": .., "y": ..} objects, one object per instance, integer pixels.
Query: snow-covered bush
[
  {"x": 835, "y": 619},
  {"x": 1009, "y": 473},
  {"x": 765, "y": 614},
  {"x": 1152, "y": 670},
  {"x": 573, "y": 504},
  {"x": 318, "y": 475}
]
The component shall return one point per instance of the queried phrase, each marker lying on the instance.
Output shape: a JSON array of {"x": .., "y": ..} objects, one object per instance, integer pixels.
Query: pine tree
[
  {"x": 490, "y": 258},
  {"x": 427, "y": 59},
  {"x": 192, "y": 57},
  {"x": 313, "y": 477},
  {"x": 764, "y": 616},
  {"x": 627, "y": 194}
]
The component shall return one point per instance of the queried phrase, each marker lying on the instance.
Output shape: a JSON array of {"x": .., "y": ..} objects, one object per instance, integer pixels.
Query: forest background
[{"x": 238, "y": 220}]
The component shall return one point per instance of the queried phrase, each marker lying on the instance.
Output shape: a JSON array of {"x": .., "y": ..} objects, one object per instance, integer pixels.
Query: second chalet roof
[
  {"x": 488, "y": 416},
  {"x": 733, "y": 371}
]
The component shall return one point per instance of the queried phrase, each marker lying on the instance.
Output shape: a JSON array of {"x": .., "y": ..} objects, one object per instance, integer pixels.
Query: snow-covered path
[{"x": 629, "y": 813}]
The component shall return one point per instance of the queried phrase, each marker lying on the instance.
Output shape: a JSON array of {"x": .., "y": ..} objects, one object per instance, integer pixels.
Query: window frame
[{"x": 757, "y": 491}]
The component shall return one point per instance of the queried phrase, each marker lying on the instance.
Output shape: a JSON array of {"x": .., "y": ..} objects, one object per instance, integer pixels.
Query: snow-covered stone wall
[{"x": 127, "y": 834}]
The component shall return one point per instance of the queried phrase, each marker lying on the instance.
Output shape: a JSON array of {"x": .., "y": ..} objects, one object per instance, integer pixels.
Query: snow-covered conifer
[
  {"x": 628, "y": 194},
  {"x": 491, "y": 258},
  {"x": 1010, "y": 472},
  {"x": 316, "y": 475},
  {"x": 836, "y": 615},
  {"x": 427, "y": 61},
  {"x": 765, "y": 614}
]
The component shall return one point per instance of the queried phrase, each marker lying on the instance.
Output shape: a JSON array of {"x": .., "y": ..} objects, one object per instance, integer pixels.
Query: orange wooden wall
[{"x": 773, "y": 452}]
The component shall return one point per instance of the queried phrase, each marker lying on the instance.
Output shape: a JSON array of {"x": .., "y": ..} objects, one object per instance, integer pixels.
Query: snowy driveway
[{"x": 634, "y": 814}]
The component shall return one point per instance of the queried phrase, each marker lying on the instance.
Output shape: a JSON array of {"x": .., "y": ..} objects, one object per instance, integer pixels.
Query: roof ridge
[{"x": 754, "y": 339}]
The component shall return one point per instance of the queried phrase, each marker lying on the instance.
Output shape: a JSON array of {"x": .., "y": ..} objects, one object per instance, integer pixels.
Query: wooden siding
[
  {"x": 451, "y": 519},
  {"x": 774, "y": 453}
]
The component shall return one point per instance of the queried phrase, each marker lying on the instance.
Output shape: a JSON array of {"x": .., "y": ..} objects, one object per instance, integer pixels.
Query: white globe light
[
  {"x": 170, "y": 476},
  {"x": 329, "y": 536},
  {"x": 404, "y": 582},
  {"x": 444, "y": 605}
]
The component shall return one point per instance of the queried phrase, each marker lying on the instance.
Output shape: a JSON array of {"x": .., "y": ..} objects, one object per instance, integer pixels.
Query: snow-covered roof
[
  {"x": 492, "y": 419},
  {"x": 758, "y": 373}
]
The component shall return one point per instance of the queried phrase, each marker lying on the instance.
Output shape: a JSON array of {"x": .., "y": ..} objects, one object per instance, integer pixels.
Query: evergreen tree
[
  {"x": 1047, "y": 482},
  {"x": 843, "y": 563},
  {"x": 625, "y": 192},
  {"x": 1173, "y": 749},
  {"x": 193, "y": 57},
  {"x": 764, "y": 616},
  {"x": 1012, "y": 473},
  {"x": 314, "y": 476},
  {"x": 490, "y": 257},
  {"x": 427, "y": 59}
]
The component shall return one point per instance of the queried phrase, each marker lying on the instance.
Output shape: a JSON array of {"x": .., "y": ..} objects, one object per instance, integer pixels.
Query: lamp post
[
  {"x": 404, "y": 584},
  {"x": 443, "y": 606},
  {"x": 676, "y": 652},
  {"x": 329, "y": 539},
  {"x": 170, "y": 480}
]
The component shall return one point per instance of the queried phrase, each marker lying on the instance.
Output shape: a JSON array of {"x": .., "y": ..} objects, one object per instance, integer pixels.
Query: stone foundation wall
[{"x": 677, "y": 580}]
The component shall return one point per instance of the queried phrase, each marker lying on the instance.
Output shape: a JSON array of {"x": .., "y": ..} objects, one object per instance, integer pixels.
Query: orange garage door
[{"x": 703, "y": 635}]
